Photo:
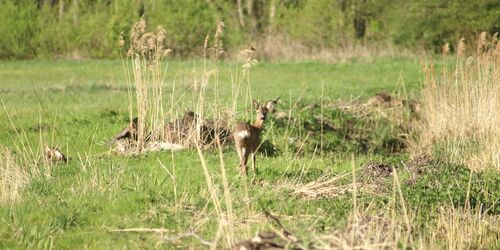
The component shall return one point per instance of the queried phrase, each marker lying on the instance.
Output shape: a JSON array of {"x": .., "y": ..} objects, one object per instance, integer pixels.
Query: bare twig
[
  {"x": 141, "y": 230},
  {"x": 186, "y": 235}
]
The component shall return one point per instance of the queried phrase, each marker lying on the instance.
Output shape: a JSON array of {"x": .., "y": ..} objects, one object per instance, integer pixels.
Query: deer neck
[{"x": 259, "y": 124}]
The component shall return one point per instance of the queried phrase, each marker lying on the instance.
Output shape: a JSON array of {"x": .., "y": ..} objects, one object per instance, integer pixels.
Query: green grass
[{"x": 83, "y": 103}]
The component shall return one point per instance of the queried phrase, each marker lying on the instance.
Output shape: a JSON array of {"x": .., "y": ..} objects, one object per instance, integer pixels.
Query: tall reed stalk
[
  {"x": 461, "y": 107},
  {"x": 145, "y": 72}
]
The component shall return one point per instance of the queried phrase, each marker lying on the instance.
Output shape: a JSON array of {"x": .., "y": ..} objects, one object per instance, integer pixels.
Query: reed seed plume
[
  {"x": 248, "y": 56},
  {"x": 461, "y": 47},
  {"x": 496, "y": 52},
  {"x": 494, "y": 40},
  {"x": 446, "y": 49},
  {"x": 218, "y": 45},
  {"x": 121, "y": 40},
  {"x": 481, "y": 43}
]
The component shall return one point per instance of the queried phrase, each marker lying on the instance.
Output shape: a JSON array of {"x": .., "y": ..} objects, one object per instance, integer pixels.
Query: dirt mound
[
  {"x": 420, "y": 165},
  {"x": 378, "y": 170}
]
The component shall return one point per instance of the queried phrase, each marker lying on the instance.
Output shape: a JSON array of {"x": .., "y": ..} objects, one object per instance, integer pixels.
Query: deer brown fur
[
  {"x": 247, "y": 136},
  {"x": 130, "y": 132}
]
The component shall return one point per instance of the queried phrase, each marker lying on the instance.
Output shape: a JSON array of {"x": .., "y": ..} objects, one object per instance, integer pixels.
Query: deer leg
[
  {"x": 243, "y": 161},
  {"x": 238, "y": 150},
  {"x": 254, "y": 163}
]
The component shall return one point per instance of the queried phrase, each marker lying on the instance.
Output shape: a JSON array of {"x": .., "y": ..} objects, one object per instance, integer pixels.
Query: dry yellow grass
[
  {"x": 277, "y": 47},
  {"x": 461, "y": 108},
  {"x": 21, "y": 164},
  {"x": 12, "y": 177},
  {"x": 459, "y": 228}
]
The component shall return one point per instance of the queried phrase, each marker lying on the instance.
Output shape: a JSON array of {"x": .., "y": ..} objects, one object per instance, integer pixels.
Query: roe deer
[
  {"x": 271, "y": 105},
  {"x": 53, "y": 155},
  {"x": 130, "y": 132},
  {"x": 178, "y": 130},
  {"x": 247, "y": 137}
]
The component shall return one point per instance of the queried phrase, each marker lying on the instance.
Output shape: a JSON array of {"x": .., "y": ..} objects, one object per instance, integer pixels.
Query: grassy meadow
[{"x": 334, "y": 172}]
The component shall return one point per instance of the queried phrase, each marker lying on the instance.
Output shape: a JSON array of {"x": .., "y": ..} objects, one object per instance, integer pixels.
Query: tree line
[{"x": 90, "y": 28}]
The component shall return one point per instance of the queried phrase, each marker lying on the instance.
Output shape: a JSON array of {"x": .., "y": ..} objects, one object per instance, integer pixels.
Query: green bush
[{"x": 18, "y": 26}]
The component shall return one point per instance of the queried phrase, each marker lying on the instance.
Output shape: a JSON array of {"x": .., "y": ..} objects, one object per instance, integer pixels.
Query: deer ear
[
  {"x": 255, "y": 104},
  {"x": 269, "y": 104}
]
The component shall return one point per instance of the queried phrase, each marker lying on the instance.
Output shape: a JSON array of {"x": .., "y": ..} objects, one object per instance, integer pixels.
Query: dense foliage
[{"x": 90, "y": 28}]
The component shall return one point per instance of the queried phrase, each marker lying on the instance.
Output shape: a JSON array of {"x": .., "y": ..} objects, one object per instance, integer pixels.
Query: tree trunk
[
  {"x": 250, "y": 7},
  {"x": 240, "y": 13},
  {"x": 359, "y": 26},
  {"x": 272, "y": 14},
  {"x": 359, "y": 20},
  {"x": 61, "y": 9}
]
